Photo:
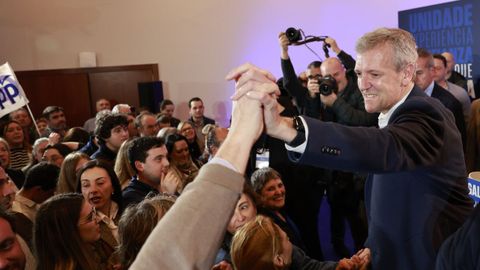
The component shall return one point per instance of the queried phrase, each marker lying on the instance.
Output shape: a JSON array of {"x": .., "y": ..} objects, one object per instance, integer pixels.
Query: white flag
[{"x": 12, "y": 96}]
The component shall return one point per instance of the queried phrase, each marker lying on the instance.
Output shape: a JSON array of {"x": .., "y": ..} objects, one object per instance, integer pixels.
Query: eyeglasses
[{"x": 91, "y": 217}]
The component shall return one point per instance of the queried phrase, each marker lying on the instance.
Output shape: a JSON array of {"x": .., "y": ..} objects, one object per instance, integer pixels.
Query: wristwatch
[{"x": 298, "y": 126}]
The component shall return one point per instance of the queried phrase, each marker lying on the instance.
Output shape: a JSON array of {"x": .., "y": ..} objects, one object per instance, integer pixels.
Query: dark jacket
[
  {"x": 104, "y": 154},
  {"x": 300, "y": 261},
  {"x": 416, "y": 194},
  {"x": 461, "y": 250},
  {"x": 90, "y": 148},
  {"x": 135, "y": 192}
]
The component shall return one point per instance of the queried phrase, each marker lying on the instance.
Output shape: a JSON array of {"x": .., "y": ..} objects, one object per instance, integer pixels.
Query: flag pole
[{"x": 33, "y": 120}]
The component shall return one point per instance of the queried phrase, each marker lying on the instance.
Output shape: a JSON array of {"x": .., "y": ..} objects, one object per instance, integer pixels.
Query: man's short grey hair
[
  {"x": 37, "y": 143},
  {"x": 401, "y": 42},
  {"x": 118, "y": 108},
  {"x": 101, "y": 113}
]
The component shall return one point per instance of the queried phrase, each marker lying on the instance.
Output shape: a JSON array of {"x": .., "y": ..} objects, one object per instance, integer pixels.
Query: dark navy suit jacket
[
  {"x": 461, "y": 250},
  {"x": 416, "y": 194}
]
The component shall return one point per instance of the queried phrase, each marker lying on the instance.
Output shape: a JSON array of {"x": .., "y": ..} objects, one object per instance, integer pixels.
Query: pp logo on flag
[{"x": 8, "y": 90}]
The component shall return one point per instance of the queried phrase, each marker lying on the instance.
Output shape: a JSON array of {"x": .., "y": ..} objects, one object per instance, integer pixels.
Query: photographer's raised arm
[
  {"x": 284, "y": 43},
  {"x": 347, "y": 60},
  {"x": 291, "y": 83}
]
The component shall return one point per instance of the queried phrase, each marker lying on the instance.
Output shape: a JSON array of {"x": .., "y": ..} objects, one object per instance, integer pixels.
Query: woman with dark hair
[
  {"x": 245, "y": 211},
  {"x": 186, "y": 129},
  {"x": 136, "y": 224},
  {"x": 67, "y": 235},
  {"x": 268, "y": 185},
  {"x": 20, "y": 149},
  {"x": 77, "y": 134},
  {"x": 100, "y": 187},
  {"x": 23, "y": 118},
  {"x": 67, "y": 181},
  {"x": 55, "y": 154},
  {"x": 182, "y": 169}
]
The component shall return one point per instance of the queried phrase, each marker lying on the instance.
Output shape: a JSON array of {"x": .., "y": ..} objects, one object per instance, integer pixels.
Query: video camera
[{"x": 297, "y": 37}]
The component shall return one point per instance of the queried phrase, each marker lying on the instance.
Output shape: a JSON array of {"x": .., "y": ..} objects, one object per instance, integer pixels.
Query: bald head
[{"x": 333, "y": 67}]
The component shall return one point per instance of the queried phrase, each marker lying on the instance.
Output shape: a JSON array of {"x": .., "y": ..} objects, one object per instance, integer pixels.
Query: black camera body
[
  {"x": 327, "y": 85},
  {"x": 297, "y": 37},
  {"x": 293, "y": 35}
]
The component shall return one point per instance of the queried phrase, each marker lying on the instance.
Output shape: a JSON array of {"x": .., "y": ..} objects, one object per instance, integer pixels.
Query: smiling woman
[
  {"x": 67, "y": 235},
  {"x": 268, "y": 185},
  {"x": 182, "y": 168}
]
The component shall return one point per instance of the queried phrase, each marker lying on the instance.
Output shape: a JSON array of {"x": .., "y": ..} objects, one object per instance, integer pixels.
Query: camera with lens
[
  {"x": 293, "y": 35},
  {"x": 327, "y": 85}
]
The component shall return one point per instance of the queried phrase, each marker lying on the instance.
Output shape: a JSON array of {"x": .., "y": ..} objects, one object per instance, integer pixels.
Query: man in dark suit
[
  {"x": 461, "y": 249},
  {"x": 198, "y": 119},
  {"x": 425, "y": 81},
  {"x": 416, "y": 194}
]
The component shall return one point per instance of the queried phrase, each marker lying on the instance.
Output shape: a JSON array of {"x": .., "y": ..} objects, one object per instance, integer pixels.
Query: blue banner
[
  {"x": 449, "y": 27},
  {"x": 474, "y": 189}
]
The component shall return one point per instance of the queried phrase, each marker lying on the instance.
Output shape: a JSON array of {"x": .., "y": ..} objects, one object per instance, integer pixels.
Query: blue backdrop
[{"x": 452, "y": 27}]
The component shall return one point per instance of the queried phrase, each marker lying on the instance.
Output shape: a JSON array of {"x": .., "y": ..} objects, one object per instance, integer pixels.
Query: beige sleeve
[{"x": 190, "y": 234}]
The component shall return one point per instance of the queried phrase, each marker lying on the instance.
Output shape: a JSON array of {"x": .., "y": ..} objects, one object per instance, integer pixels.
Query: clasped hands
[{"x": 255, "y": 104}]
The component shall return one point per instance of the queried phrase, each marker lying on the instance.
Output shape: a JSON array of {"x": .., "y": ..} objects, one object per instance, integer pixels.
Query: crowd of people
[{"x": 148, "y": 191}]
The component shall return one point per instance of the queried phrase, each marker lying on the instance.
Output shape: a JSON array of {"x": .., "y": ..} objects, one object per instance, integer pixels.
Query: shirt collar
[
  {"x": 383, "y": 118},
  {"x": 108, "y": 220},
  {"x": 26, "y": 201},
  {"x": 429, "y": 89}
]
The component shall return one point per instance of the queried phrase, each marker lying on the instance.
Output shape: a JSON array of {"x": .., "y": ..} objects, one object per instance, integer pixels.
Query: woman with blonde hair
[
  {"x": 122, "y": 167},
  {"x": 262, "y": 245},
  {"x": 67, "y": 181},
  {"x": 136, "y": 224}
]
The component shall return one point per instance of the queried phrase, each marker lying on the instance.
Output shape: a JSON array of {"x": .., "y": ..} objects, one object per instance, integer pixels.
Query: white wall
[{"x": 195, "y": 43}]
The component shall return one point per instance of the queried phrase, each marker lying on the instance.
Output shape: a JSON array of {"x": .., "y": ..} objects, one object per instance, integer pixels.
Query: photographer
[
  {"x": 306, "y": 101},
  {"x": 344, "y": 105}
]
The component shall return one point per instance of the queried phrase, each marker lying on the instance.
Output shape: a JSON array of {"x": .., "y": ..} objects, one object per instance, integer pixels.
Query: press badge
[{"x": 261, "y": 160}]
